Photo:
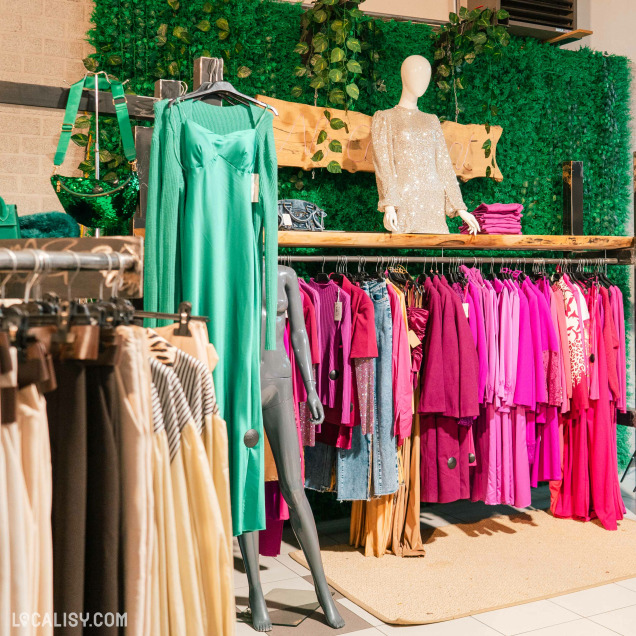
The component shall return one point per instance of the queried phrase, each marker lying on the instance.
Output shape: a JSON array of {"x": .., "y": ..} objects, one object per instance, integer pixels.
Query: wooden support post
[
  {"x": 164, "y": 89},
  {"x": 206, "y": 69},
  {"x": 573, "y": 198}
]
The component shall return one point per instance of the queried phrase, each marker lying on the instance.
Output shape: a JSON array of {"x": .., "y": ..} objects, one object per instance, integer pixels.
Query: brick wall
[{"x": 41, "y": 42}]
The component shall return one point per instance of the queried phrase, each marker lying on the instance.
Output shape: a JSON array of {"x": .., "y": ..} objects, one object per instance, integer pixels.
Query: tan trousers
[
  {"x": 22, "y": 530},
  {"x": 5, "y": 550},
  {"x": 392, "y": 523},
  {"x": 133, "y": 379},
  {"x": 189, "y": 563},
  {"x": 205, "y": 465},
  {"x": 216, "y": 567},
  {"x": 215, "y": 436},
  {"x": 36, "y": 465},
  {"x": 167, "y": 610}
]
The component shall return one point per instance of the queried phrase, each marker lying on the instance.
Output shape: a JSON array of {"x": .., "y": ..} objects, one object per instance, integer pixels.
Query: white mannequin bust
[{"x": 416, "y": 76}]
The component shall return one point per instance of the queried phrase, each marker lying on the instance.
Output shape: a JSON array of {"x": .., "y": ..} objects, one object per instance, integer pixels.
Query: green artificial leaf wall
[{"x": 553, "y": 104}]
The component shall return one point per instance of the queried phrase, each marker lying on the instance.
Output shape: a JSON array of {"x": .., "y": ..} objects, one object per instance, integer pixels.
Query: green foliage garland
[
  {"x": 553, "y": 104},
  {"x": 338, "y": 49},
  {"x": 467, "y": 35}
]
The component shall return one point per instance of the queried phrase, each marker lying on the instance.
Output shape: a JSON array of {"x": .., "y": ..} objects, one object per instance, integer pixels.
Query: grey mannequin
[{"x": 280, "y": 425}]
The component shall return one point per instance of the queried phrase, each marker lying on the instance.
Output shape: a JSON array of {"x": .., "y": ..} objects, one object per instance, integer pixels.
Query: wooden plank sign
[
  {"x": 466, "y": 149},
  {"x": 297, "y": 127},
  {"x": 296, "y": 131}
]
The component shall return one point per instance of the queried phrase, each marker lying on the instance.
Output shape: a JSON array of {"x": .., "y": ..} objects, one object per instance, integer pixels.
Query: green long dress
[{"x": 204, "y": 244}]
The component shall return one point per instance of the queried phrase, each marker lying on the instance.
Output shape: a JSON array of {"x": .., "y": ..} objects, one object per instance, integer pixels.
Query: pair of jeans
[
  {"x": 379, "y": 449},
  {"x": 319, "y": 461}
]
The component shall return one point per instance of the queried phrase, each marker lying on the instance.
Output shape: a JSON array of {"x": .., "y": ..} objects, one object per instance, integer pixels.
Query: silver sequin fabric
[
  {"x": 307, "y": 428},
  {"x": 365, "y": 385},
  {"x": 414, "y": 171}
]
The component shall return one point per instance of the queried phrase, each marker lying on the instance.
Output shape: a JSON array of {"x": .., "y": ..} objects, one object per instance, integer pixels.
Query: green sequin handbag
[{"x": 90, "y": 201}]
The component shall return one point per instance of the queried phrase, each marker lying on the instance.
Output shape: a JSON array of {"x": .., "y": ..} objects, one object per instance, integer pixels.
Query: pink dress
[
  {"x": 402, "y": 383},
  {"x": 449, "y": 354},
  {"x": 363, "y": 347}
]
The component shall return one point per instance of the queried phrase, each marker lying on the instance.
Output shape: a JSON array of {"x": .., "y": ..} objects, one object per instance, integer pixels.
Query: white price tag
[
  {"x": 414, "y": 341},
  {"x": 466, "y": 307},
  {"x": 287, "y": 220},
  {"x": 255, "y": 188},
  {"x": 337, "y": 310}
]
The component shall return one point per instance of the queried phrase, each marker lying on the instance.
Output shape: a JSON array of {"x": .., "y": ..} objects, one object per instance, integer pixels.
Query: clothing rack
[
  {"x": 37, "y": 260},
  {"x": 85, "y": 266},
  {"x": 405, "y": 260},
  {"x": 624, "y": 419}
]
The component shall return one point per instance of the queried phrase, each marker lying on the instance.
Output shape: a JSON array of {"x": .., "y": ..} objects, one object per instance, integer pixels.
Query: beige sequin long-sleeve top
[{"x": 413, "y": 170}]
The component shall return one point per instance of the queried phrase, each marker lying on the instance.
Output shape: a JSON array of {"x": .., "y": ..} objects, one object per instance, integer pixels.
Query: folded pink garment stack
[{"x": 497, "y": 218}]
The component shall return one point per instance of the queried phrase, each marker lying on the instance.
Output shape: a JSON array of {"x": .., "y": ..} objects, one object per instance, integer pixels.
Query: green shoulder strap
[
  {"x": 72, "y": 108},
  {"x": 4, "y": 211}
]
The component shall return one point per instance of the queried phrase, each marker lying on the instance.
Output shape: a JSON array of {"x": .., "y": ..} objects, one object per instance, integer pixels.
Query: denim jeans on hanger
[
  {"x": 319, "y": 463},
  {"x": 378, "y": 449}
]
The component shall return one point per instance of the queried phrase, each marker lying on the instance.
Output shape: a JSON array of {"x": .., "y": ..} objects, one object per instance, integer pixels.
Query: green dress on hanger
[{"x": 204, "y": 244}]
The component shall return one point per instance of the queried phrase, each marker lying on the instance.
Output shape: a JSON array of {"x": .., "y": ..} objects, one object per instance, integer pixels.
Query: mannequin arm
[
  {"x": 390, "y": 218},
  {"x": 300, "y": 343},
  {"x": 470, "y": 220}
]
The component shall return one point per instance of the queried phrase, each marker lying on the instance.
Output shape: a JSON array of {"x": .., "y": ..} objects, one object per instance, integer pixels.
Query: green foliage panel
[{"x": 554, "y": 105}]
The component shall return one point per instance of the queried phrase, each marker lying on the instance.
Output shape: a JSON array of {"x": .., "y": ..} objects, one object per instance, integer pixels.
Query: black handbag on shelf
[{"x": 296, "y": 214}]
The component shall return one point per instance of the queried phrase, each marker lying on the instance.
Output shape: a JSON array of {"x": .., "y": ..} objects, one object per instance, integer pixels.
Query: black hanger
[
  {"x": 224, "y": 90},
  {"x": 393, "y": 273},
  {"x": 421, "y": 279},
  {"x": 322, "y": 276},
  {"x": 380, "y": 269},
  {"x": 19, "y": 317},
  {"x": 102, "y": 311},
  {"x": 337, "y": 276},
  {"x": 185, "y": 315},
  {"x": 124, "y": 311},
  {"x": 605, "y": 281}
]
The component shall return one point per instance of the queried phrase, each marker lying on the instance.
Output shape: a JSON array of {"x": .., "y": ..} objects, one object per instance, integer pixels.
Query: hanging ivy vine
[
  {"x": 339, "y": 49},
  {"x": 466, "y": 36}
]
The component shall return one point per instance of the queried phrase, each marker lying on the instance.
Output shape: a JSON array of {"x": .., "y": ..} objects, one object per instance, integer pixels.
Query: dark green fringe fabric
[{"x": 48, "y": 225}]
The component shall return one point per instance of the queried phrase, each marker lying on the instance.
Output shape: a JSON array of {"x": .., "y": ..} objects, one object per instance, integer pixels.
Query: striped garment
[
  {"x": 194, "y": 375},
  {"x": 157, "y": 414},
  {"x": 174, "y": 404}
]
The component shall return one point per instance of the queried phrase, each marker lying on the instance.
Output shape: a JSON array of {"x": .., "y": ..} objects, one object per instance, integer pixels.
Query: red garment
[
  {"x": 590, "y": 485},
  {"x": 450, "y": 355},
  {"x": 401, "y": 371},
  {"x": 311, "y": 324},
  {"x": 363, "y": 345},
  {"x": 611, "y": 343},
  {"x": 417, "y": 324},
  {"x": 363, "y": 337},
  {"x": 276, "y": 513}
]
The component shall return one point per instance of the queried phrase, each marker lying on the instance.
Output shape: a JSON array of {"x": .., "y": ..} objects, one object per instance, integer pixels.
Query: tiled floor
[{"x": 602, "y": 611}]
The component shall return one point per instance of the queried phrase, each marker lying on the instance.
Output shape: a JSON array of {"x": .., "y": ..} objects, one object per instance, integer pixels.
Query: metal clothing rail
[
  {"x": 405, "y": 260},
  {"x": 34, "y": 260}
]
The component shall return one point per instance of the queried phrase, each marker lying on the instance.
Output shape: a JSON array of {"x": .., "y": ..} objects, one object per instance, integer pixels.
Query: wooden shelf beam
[
  {"x": 570, "y": 36},
  {"x": 378, "y": 240},
  {"x": 21, "y": 94}
]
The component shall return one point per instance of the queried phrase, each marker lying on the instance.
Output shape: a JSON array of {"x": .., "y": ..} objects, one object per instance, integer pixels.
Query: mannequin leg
[
  {"x": 280, "y": 426},
  {"x": 248, "y": 543}
]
